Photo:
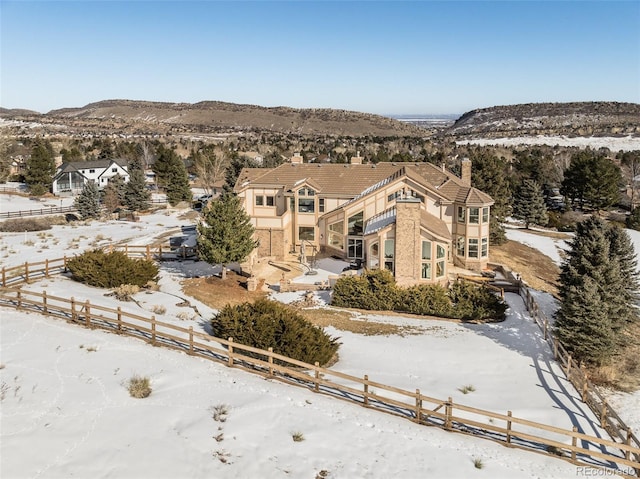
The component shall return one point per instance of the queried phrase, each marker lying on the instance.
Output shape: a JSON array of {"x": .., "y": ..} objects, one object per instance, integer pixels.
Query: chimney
[
  {"x": 356, "y": 160},
  {"x": 297, "y": 159},
  {"x": 466, "y": 171}
]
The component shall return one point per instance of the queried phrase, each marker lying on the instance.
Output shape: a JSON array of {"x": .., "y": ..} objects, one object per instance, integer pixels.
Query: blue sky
[{"x": 386, "y": 57}]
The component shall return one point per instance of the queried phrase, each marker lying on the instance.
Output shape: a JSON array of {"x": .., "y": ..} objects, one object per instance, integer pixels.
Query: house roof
[
  {"x": 83, "y": 165},
  {"x": 360, "y": 180},
  {"x": 429, "y": 222}
]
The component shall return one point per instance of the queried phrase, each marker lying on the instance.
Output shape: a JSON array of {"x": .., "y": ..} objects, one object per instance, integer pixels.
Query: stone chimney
[
  {"x": 408, "y": 244},
  {"x": 466, "y": 171},
  {"x": 356, "y": 160},
  {"x": 297, "y": 159}
]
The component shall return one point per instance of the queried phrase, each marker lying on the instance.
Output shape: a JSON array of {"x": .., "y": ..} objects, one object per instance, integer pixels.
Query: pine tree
[
  {"x": 236, "y": 164},
  {"x": 591, "y": 179},
  {"x": 490, "y": 175},
  {"x": 40, "y": 169},
  {"x": 88, "y": 201},
  {"x": 226, "y": 233},
  {"x": 172, "y": 175},
  {"x": 528, "y": 204},
  {"x": 621, "y": 249},
  {"x": 596, "y": 288},
  {"x": 136, "y": 195},
  {"x": 113, "y": 194}
]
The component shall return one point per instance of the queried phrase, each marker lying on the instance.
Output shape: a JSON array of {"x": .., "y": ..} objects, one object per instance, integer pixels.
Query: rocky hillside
[
  {"x": 213, "y": 116},
  {"x": 572, "y": 119}
]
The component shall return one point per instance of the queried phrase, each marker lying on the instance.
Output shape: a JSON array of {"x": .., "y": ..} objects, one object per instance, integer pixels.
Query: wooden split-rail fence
[{"x": 620, "y": 456}]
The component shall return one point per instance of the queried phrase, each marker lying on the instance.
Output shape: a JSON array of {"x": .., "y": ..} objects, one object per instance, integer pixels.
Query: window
[
  {"x": 426, "y": 260},
  {"x": 439, "y": 269},
  {"x": 461, "y": 212},
  {"x": 306, "y": 205},
  {"x": 374, "y": 255},
  {"x": 460, "y": 243},
  {"x": 336, "y": 234},
  {"x": 321, "y": 205},
  {"x": 92, "y": 171},
  {"x": 292, "y": 203},
  {"x": 355, "y": 224},
  {"x": 485, "y": 248},
  {"x": 426, "y": 271},
  {"x": 389, "y": 251},
  {"x": 306, "y": 192},
  {"x": 271, "y": 201},
  {"x": 259, "y": 200},
  {"x": 474, "y": 215},
  {"x": 395, "y": 195},
  {"x": 473, "y": 248},
  {"x": 306, "y": 233},
  {"x": 440, "y": 252},
  {"x": 426, "y": 250},
  {"x": 114, "y": 170},
  {"x": 485, "y": 214},
  {"x": 354, "y": 248}
]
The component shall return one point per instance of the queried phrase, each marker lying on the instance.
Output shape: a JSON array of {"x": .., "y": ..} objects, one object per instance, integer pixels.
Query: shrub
[
  {"x": 25, "y": 224},
  {"x": 475, "y": 302},
  {"x": 139, "y": 387},
  {"x": 125, "y": 292},
  {"x": 297, "y": 436},
  {"x": 109, "y": 270},
  {"x": 264, "y": 324},
  {"x": 431, "y": 299},
  {"x": 373, "y": 290}
]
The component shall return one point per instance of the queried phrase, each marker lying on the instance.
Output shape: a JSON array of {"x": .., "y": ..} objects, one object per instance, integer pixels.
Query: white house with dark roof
[
  {"x": 71, "y": 177},
  {"x": 414, "y": 219}
]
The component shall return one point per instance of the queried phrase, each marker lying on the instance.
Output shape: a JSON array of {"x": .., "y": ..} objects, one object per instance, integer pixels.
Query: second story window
[
  {"x": 474, "y": 215},
  {"x": 485, "y": 214},
  {"x": 321, "y": 205},
  {"x": 306, "y": 205},
  {"x": 271, "y": 201},
  {"x": 461, "y": 214},
  {"x": 259, "y": 200}
]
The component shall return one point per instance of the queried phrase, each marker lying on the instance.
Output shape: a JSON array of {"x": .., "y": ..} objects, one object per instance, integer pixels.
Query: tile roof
[{"x": 435, "y": 225}]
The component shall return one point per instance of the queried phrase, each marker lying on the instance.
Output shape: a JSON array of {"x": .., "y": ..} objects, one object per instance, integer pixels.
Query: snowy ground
[
  {"x": 64, "y": 393},
  {"x": 614, "y": 144}
]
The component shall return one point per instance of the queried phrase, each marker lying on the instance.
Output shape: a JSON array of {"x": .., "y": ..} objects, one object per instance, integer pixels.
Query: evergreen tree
[
  {"x": 136, "y": 196},
  {"x": 528, "y": 204},
  {"x": 489, "y": 174},
  {"x": 88, "y": 201},
  {"x": 236, "y": 164},
  {"x": 621, "y": 249},
  {"x": 591, "y": 179},
  {"x": 226, "y": 233},
  {"x": 40, "y": 168},
  {"x": 633, "y": 220},
  {"x": 172, "y": 175},
  {"x": 596, "y": 289}
]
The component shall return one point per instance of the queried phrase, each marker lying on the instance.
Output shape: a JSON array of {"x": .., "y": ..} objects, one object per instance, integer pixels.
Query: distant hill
[
  {"x": 212, "y": 116},
  {"x": 12, "y": 112},
  {"x": 573, "y": 119}
]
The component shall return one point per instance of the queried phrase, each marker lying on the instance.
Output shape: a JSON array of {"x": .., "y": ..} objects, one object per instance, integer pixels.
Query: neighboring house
[
  {"x": 71, "y": 177},
  {"x": 414, "y": 219}
]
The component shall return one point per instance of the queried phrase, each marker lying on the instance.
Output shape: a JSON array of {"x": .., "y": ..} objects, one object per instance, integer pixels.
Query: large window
[
  {"x": 306, "y": 205},
  {"x": 485, "y": 214},
  {"x": 389, "y": 252},
  {"x": 440, "y": 254},
  {"x": 474, "y": 215},
  {"x": 426, "y": 260},
  {"x": 485, "y": 247},
  {"x": 473, "y": 247},
  {"x": 306, "y": 233},
  {"x": 355, "y": 224},
  {"x": 336, "y": 235},
  {"x": 354, "y": 248},
  {"x": 461, "y": 214},
  {"x": 460, "y": 243}
]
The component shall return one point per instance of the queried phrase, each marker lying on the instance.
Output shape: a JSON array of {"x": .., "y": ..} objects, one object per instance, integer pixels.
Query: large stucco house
[
  {"x": 415, "y": 219},
  {"x": 71, "y": 177}
]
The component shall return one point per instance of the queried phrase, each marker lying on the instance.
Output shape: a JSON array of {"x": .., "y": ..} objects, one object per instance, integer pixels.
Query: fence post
[
  {"x": 418, "y": 405},
  {"x": 316, "y": 387},
  {"x": 574, "y": 443},
  {"x": 126, "y": 249},
  {"x": 190, "y": 339},
  {"x": 26, "y": 272},
  {"x": 448, "y": 412},
  {"x": 64, "y": 263},
  {"x": 119, "y": 319},
  {"x": 366, "y": 390},
  {"x": 19, "y": 298},
  {"x": 509, "y": 413},
  {"x": 148, "y": 253},
  {"x": 87, "y": 312},
  {"x": 4, "y": 276},
  {"x": 545, "y": 324},
  {"x": 569, "y": 359},
  {"x": 603, "y": 416},
  {"x": 627, "y": 454},
  {"x": 555, "y": 348},
  {"x": 153, "y": 330},
  {"x": 46, "y": 268},
  {"x": 270, "y": 357},
  {"x": 73, "y": 308},
  {"x": 230, "y": 363},
  {"x": 44, "y": 302}
]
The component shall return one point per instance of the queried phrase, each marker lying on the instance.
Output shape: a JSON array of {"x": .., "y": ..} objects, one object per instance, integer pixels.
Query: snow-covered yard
[{"x": 64, "y": 394}]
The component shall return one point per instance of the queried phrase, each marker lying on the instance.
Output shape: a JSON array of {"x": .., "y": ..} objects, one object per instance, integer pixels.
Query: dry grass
[
  {"x": 297, "y": 436},
  {"x": 139, "y": 387},
  {"x": 125, "y": 292},
  {"x": 344, "y": 321},
  {"x": 216, "y": 293}
]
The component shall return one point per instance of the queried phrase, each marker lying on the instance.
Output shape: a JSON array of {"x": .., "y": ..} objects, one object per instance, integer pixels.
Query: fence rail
[
  {"x": 40, "y": 212},
  {"x": 577, "y": 447}
]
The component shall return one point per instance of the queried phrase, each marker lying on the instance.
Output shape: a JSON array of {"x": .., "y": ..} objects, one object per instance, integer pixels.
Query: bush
[
  {"x": 139, "y": 387},
  {"x": 264, "y": 324},
  {"x": 125, "y": 292},
  {"x": 109, "y": 270},
  {"x": 376, "y": 290},
  {"x": 25, "y": 224}
]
